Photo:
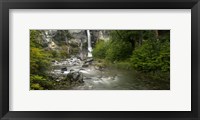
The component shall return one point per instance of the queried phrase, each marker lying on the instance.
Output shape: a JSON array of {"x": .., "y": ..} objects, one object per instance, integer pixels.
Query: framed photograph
[{"x": 85, "y": 59}]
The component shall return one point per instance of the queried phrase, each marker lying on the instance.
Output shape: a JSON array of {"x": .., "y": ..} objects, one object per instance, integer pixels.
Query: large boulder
[
  {"x": 75, "y": 76},
  {"x": 89, "y": 60},
  {"x": 85, "y": 65}
]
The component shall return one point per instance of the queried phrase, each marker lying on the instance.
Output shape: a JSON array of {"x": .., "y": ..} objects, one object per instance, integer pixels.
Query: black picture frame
[{"x": 5, "y": 5}]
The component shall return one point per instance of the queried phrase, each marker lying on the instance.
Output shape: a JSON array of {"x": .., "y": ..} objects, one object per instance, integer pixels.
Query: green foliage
[
  {"x": 118, "y": 50},
  {"x": 37, "y": 77},
  {"x": 63, "y": 54},
  {"x": 39, "y": 61},
  {"x": 152, "y": 56},
  {"x": 112, "y": 50},
  {"x": 40, "y": 83},
  {"x": 134, "y": 37},
  {"x": 150, "y": 35},
  {"x": 163, "y": 59},
  {"x": 126, "y": 35},
  {"x": 35, "y": 38},
  {"x": 100, "y": 49},
  {"x": 36, "y": 86},
  {"x": 55, "y": 54},
  {"x": 144, "y": 51}
]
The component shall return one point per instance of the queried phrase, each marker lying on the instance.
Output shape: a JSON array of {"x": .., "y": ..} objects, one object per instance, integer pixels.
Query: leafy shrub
[
  {"x": 36, "y": 86},
  {"x": 112, "y": 50},
  {"x": 100, "y": 50},
  {"x": 152, "y": 56},
  {"x": 118, "y": 50},
  {"x": 163, "y": 59},
  {"x": 40, "y": 83},
  {"x": 39, "y": 62},
  {"x": 54, "y": 53}
]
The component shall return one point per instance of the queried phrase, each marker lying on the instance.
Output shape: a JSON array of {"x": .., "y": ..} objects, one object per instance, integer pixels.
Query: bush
[
  {"x": 54, "y": 53},
  {"x": 40, "y": 83},
  {"x": 152, "y": 56},
  {"x": 100, "y": 49},
  {"x": 36, "y": 87},
  {"x": 163, "y": 59},
  {"x": 39, "y": 61},
  {"x": 118, "y": 50}
]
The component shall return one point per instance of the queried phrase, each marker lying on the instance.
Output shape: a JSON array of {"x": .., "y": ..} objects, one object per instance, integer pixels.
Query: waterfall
[{"x": 89, "y": 44}]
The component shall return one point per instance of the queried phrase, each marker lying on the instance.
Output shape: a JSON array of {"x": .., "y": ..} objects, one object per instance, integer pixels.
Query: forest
[{"x": 99, "y": 59}]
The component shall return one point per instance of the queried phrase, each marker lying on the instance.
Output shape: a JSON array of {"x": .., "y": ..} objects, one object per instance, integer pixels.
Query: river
[{"x": 103, "y": 79}]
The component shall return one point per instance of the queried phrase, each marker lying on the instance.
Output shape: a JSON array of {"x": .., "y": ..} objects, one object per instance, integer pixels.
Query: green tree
[
  {"x": 118, "y": 50},
  {"x": 39, "y": 61},
  {"x": 152, "y": 56},
  {"x": 100, "y": 49}
]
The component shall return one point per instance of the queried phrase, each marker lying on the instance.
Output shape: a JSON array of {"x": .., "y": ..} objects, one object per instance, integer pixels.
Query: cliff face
[
  {"x": 75, "y": 42},
  {"x": 54, "y": 37},
  {"x": 81, "y": 35}
]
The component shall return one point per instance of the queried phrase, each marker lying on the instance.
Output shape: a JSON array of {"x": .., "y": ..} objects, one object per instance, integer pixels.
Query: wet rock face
[
  {"x": 76, "y": 40},
  {"x": 80, "y": 35},
  {"x": 77, "y": 36}
]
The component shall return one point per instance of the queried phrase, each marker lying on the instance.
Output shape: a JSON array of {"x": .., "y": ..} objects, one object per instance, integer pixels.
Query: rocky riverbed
[{"x": 87, "y": 76}]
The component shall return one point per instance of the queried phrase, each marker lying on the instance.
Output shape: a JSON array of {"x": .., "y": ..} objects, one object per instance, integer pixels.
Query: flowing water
[
  {"x": 89, "y": 44},
  {"x": 102, "y": 79}
]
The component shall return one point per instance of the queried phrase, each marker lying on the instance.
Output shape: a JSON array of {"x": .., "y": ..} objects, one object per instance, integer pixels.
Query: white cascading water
[{"x": 89, "y": 44}]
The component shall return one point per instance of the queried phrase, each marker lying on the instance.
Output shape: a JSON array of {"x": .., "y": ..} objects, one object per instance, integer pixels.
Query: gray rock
[
  {"x": 89, "y": 60},
  {"x": 85, "y": 65},
  {"x": 64, "y": 69},
  {"x": 75, "y": 77}
]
